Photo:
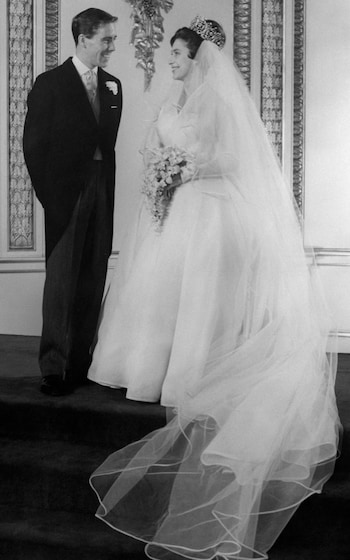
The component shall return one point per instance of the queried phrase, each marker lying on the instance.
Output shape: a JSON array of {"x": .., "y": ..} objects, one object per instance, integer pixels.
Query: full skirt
[{"x": 229, "y": 331}]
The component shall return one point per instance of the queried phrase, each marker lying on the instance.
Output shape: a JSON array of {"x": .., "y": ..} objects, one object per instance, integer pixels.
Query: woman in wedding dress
[{"x": 216, "y": 311}]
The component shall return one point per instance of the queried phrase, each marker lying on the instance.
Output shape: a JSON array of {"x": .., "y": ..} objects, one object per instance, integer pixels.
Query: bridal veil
[{"x": 254, "y": 430}]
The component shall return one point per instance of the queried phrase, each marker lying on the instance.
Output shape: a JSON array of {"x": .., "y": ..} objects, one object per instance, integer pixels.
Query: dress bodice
[{"x": 174, "y": 129}]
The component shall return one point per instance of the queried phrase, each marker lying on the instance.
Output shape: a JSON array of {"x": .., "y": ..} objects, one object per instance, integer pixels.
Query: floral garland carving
[{"x": 147, "y": 32}]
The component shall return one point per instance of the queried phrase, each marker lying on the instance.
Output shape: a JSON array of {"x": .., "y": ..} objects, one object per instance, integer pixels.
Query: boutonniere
[{"x": 113, "y": 87}]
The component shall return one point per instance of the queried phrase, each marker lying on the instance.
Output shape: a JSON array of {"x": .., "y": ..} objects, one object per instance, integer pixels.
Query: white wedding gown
[
  {"x": 163, "y": 319},
  {"x": 219, "y": 316}
]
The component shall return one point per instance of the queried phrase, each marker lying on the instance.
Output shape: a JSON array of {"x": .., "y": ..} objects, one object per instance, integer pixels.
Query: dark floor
[{"x": 49, "y": 477}]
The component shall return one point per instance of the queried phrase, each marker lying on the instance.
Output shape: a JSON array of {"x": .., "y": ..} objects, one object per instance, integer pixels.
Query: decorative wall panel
[
  {"x": 242, "y": 37},
  {"x": 272, "y": 71},
  {"x": 298, "y": 120},
  {"x": 21, "y": 56},
  {"x": 52, "y": 25},
  {"x": 21, "y": 199}
]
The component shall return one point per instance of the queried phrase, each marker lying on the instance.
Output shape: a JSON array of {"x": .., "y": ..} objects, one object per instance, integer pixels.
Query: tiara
[{"x": 204, "y": 29}]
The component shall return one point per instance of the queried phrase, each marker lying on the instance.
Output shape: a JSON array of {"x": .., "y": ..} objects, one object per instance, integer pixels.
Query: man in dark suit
[{"x": 69, "y": 139}]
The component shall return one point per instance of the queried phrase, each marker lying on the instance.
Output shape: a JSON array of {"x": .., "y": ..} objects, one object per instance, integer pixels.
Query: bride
[{"x": 216, "y": 313}]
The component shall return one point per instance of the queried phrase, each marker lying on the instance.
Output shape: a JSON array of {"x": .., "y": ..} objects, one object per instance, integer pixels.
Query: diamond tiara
[{"x": 205, "y": 30}]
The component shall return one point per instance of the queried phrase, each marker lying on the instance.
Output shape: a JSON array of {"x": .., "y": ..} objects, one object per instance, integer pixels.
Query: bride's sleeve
[
  {"x": 152, "y": 143},
  {"x": 216, "y": 154}
]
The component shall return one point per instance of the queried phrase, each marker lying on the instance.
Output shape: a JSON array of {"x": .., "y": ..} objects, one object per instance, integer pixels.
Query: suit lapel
[
  {"x": 103, "y": 94},
  {"x": 107, "y": 100},
  {"x": 76, "y": 91},
  {"x": 73, "y": 90}
]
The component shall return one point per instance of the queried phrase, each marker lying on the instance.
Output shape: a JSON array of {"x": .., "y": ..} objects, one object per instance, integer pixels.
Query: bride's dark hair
[{"x": 193, "y": 40}]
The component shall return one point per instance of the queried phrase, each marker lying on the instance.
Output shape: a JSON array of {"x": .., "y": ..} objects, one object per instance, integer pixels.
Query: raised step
[
  {"x": 49, "y": 475},
  {"x": 54, "y": 475},
  {"x": 92, "y": 414},
  {"x": 35, "y": 535},
  {"x": 50, "y": 446},
  {"x": 320, "y": 527}
]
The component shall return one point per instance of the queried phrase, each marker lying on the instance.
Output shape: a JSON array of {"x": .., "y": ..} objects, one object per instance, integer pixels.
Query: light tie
[{"x": 90, "y": 81}]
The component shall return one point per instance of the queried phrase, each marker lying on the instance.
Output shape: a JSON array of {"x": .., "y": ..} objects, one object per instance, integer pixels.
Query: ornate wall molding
[
  {"x": 272, "y": 74},
  {"x": 147, "y": 32},
  {"x": 52, "y": 26},
  {"x": 272, "y": 71},
  {"x": 21, "y": 205},
  {"x": 20, "y": 77},
  {"x": 299, "y": 116},
  {"x": 242, "y": 23},
  {"x": 332, "y": 257},
  {"x": 21, "y": 201}
]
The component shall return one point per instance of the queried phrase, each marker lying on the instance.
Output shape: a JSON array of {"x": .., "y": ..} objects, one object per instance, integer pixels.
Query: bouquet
[{"x": 163, "y": 165}]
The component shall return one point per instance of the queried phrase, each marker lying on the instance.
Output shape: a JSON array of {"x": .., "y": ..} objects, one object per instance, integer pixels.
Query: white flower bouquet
[{"x": 162, "y": 177}]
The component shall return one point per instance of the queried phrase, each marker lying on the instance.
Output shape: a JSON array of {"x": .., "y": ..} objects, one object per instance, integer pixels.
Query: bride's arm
[{"x": 216, "y": 153}]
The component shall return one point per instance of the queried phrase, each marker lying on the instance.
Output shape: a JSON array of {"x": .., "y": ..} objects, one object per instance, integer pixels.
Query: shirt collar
[{"x": 81, "y": 67}]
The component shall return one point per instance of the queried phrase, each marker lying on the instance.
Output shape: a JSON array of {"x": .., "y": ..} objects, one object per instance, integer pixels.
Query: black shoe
[{"x": 55, "y": 386}]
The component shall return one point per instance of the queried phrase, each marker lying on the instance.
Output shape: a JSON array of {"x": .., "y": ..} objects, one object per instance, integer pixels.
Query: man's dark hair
[{"x": 89, "y": 21}]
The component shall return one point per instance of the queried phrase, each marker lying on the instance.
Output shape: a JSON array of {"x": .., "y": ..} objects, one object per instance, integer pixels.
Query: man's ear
[{"x": 81, "y": 41}]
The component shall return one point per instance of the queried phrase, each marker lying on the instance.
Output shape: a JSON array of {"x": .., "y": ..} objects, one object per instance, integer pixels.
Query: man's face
[{"x": 99, "y": 47}]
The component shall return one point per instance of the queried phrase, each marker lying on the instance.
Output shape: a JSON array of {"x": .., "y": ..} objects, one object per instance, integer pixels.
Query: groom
[{"x": 69, "y": 138}]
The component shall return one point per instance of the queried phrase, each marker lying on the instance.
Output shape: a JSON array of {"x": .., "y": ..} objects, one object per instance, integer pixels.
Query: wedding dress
[{"x": 221, "y": 317}]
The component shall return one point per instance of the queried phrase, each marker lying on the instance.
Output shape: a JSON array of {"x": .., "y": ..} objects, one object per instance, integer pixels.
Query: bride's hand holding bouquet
[{"x": 167, "y": 169}]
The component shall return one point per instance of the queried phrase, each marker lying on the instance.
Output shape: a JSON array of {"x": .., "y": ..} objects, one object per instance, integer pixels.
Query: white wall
[
  {"x": 20, "y": 302},
  {"x": 327, "y": 149},
  {"x": 327, "y": 125}
]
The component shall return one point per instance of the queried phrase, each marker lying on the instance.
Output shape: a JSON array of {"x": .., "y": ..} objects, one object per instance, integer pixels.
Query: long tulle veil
[{"x": 255, "y": 430}]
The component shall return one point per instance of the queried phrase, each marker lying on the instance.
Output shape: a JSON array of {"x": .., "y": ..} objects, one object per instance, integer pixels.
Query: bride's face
[{"x": 180, "y": 62}]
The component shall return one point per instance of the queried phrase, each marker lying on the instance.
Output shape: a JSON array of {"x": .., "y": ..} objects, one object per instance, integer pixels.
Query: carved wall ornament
[
  {"x": 298, "y": 115},
  {"x": 272, "y": 71},
  {"x": 242, "y": 29},
  {"x": 147, "y": 32},
  {"x": 20, "y": 77},
  {"x": 52, "y": 26}
]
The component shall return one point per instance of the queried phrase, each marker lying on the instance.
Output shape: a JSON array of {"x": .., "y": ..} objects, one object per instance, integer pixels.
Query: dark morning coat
[{"x": 60, "y": 138}]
